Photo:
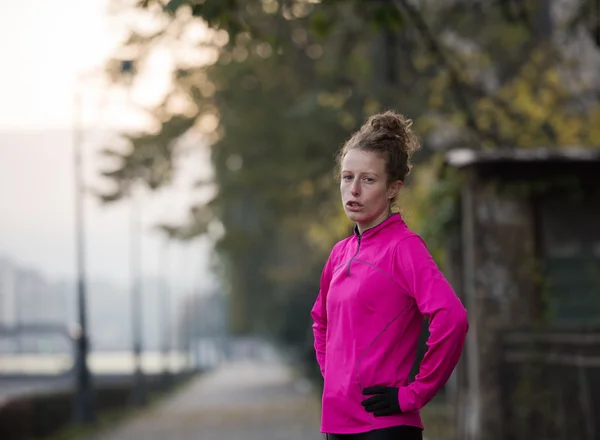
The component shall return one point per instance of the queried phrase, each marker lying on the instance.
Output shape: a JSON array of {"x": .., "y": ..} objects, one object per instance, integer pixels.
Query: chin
[{"x": 357, "y": 217}]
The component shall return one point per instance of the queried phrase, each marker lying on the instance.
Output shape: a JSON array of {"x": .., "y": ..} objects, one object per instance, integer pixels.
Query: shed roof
[{"x": 464, "y": 157}]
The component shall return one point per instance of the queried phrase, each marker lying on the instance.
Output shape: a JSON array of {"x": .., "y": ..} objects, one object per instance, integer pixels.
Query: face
[{"x": 366, "y": 192}]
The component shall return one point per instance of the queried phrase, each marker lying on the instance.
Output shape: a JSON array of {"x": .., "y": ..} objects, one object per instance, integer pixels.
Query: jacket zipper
[{"x": 354, "y": 256}]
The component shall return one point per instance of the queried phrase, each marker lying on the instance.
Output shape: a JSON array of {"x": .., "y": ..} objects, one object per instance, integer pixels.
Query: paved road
[{"x": 240, "y": 401}]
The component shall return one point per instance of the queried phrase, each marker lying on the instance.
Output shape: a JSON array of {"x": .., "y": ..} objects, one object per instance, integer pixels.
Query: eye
[
  {"x": 369, "y": 179},
  {"x": 347, "y": 178}
]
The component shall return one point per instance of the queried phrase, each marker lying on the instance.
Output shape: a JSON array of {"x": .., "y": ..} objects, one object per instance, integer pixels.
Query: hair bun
[
  {"x": 394, "y": 124},
  {"x": 387, "y": 133},
  {"x": 391, "y": 122}
]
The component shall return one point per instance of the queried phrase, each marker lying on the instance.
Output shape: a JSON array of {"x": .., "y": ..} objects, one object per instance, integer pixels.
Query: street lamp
[
  {"x": 83, "y": 411},
  {"x": 164, "y": 312},
  {"x": 139, "y": 385},
  {"x": 139, "y": 395}
]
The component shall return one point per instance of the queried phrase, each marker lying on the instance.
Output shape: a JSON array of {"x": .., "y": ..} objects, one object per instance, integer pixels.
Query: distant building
[
  {"x": 33, "y": 311},
  {"x": 8, "y": 295},
  {"x": 34, "y": 302},
  {"x": 39, "y": 301}
]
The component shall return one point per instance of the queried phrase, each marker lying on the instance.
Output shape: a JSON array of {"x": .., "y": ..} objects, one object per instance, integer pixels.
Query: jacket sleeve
[
  {"x": 448, "y": 324},
  {"x": 319, "y": 316}
]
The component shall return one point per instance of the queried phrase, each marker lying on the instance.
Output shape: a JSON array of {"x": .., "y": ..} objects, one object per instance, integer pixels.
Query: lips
[{"x": 353, "y": 206}]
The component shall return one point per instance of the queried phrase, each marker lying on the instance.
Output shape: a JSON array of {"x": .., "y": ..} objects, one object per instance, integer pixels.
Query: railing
[{"x": 550, "y": 384}]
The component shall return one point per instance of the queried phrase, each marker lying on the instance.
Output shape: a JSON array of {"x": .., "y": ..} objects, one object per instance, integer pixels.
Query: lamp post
[
  {"x": 139, "y": 386},
  {"x": 164, "y": 311},
  {"x": 83, "y": 411},
  {"x": 139, "y": 395}
]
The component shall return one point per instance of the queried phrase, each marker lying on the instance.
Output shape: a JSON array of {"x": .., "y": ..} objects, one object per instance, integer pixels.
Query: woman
[{"x": 376, "y": 287}]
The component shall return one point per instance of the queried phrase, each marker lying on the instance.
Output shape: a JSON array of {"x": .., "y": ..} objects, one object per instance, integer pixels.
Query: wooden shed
[{"x": 525, "y": 257}]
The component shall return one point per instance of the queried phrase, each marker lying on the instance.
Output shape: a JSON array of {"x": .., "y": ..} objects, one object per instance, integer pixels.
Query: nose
[{"x": 355, "y": 189}]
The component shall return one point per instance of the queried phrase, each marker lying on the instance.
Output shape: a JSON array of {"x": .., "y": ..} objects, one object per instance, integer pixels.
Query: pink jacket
[{"x": 375, "y": 290}]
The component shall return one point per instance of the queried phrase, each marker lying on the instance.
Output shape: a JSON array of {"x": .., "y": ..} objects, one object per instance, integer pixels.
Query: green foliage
[
  {"x": 440, "y": 224},
  {"x": 294, "y": 78}
]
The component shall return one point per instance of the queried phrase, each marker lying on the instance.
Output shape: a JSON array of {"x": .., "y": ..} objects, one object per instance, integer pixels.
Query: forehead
[{"x": 360, "y": 161}]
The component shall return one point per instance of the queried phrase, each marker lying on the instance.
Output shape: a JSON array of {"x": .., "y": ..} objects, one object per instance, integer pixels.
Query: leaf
[
  {"x": 321, "y": 23},
  {"x": 173, "y": 5},
  {"x": 387, "y": 17},
  {"x": 281, "y": 118}
]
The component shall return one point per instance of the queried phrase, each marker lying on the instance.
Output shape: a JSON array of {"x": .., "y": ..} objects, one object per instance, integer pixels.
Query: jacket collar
[{"x": 392, "y": 219}]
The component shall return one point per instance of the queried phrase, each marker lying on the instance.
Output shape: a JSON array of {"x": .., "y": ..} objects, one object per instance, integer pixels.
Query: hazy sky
[{"x": 44, "y": 46}]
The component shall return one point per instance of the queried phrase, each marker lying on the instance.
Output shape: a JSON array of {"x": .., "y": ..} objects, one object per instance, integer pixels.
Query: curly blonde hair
[{"x": 390, "y": 134}]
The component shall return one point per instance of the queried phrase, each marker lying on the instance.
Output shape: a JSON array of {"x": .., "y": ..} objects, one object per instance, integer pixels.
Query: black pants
[{"x": 393, "y": 433}]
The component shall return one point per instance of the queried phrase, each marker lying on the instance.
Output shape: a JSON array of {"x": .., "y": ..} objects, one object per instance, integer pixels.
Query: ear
[{"x": 394, "y": 189}]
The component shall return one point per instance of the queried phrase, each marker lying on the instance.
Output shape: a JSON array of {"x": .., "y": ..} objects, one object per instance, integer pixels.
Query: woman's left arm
[{"x": 448, "y": 322}]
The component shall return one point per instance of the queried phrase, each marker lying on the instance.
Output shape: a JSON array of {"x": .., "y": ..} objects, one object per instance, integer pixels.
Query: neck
[{"x": 362, "y": 227}]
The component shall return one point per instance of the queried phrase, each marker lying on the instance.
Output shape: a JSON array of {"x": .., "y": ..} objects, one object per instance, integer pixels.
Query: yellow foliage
[
  {"x": 593, "y": 127},
  {"x": 346, "y": 120},
  {"x": 413, "y": 196},
  {"x": 306, "y": 188},
  {"x": 334, "y": 100},
  {"x": 439, "y": 85},
  {"x": 371, "y": 107},
  {"x": 334, "y": 226},
  {"x": 533, "y": 110}
]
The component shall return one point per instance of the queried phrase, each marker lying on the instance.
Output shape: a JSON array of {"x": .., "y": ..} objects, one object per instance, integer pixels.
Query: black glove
[{"x": 384, "y": 402}]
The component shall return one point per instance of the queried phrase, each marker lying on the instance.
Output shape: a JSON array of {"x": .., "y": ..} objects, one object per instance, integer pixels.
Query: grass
[
  {"x": 111, "y": 418},
  {"x": 438, "y": 420}
]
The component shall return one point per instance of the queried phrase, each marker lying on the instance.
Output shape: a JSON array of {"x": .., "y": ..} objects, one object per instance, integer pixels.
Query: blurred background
[{"x": 168, "y": 202}]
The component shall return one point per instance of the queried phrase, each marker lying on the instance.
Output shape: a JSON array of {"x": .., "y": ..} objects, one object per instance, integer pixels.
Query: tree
[{"x": 293, "y": 78}]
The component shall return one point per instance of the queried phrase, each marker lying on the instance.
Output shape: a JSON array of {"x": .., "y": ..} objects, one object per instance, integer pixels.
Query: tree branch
[{"x": 433, "y": 45}]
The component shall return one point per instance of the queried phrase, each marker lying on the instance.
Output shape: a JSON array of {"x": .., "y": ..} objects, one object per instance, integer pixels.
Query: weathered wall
[
  {"x": 458, "y": 384},
  {"x": 502, "y": 394},
  {"x": 498, "y": 267}
]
